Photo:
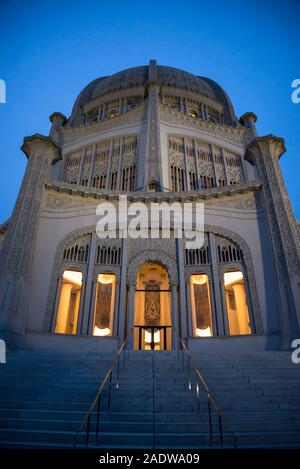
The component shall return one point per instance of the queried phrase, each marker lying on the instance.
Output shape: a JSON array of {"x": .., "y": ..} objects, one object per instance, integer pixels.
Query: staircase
[{"x": 44, "y": 396}]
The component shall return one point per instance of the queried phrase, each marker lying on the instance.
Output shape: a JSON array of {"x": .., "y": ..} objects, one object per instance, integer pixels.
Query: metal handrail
[
  {"x": 211, "y": 400},
  {"x": 87, "y": 418}
]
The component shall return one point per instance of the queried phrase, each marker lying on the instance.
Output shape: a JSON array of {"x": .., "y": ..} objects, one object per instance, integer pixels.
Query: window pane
[
  {"x": 236, "y": 303},
  {"x": 69, "y": 301},
  {"x": 104, "y": 305},
  {"x": 201, "y": 307}
]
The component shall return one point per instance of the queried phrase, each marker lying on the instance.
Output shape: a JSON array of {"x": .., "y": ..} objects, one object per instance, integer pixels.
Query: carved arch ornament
[
  {"x": 247, "y": 269},
  {"x": 58, "y": 268},
  {"x": 152, "y": 256},
  {"x": 148, "y": 256}
]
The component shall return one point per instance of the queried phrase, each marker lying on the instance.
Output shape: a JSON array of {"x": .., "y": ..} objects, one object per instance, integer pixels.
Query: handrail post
[
  {"x": 109, "y": 392},
  {"x": 198, "y": 395},
  {"x": 210, "y": 421},
  {"x": 88, "y": 430},
  {"x": 189, "y": 374},
  {"x": 98, "y": 418},
  {"x": 221, "y": 431}
]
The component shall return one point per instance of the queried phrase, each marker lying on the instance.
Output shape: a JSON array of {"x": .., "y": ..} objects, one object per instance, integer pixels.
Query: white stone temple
[{"x": 156, "y": 134}]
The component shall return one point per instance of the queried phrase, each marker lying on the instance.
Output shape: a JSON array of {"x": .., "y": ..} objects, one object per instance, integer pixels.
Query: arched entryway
[{"x": 152, "y": 309}]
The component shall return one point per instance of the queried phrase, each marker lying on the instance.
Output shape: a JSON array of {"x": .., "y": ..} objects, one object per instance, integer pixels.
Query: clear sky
[{"x": 49, "y": 50}]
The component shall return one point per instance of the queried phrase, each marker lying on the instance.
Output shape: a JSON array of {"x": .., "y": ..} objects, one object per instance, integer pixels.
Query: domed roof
[{"x": 139, "y": 76}]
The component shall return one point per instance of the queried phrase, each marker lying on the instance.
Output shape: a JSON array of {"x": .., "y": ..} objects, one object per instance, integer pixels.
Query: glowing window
[
  {"x": 104, "y": 305},
  {"x": 69, "y": 301},
  {"x": 201, "y": 306},
  {"x": 236, "y": 303}
]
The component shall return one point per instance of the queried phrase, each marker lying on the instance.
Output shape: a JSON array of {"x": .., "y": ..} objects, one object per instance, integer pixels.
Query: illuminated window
[
  {"x": 104, "y": 305},
  {"x": 201, "y": 307},
  {"x": 113, "y": 113},
  {"x": 236, "y": 303},
  {"x": 69, "y": 301},
  {"x": 192, "y": 113}
]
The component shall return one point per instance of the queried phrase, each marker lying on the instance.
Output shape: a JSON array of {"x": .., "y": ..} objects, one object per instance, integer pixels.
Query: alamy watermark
[
  {"x": 2, "y": 351},
  {"x": 296, "y": 352},
  {"x": 155, "y": 220},
  {"x": 2, "y": 92},
  {"x": 295, "y": 97}
]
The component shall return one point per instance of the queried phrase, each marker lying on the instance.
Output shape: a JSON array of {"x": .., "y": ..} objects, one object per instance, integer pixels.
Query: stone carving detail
[
  {"x": 59, "y": 265},
  {"x": 166, "y": 245},
  {"x": 153, "y": 145},
  {"x": 78, "y": 249},
  {"x": 134, "y": 116},
  {"x": 157, "y": 257},
  {"x": 18, "y": 246},
  {"x": 63, "y": 201},
  {"x": 281, "y": 219},
  {"x": 248, "y": 265},
  {"x": 242, "y": 203},
  {"x": 108, "y": 252},
  {"x": 173, "y": 116}
]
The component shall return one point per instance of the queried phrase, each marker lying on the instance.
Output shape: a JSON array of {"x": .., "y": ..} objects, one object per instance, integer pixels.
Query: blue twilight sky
[{"x": 49, "y": 50}]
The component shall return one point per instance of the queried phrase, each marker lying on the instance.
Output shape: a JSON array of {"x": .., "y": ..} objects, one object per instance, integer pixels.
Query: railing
[
  {"x": 213, "y": 408},
  {"x": 86, "y": 422},
  {"x": 153, "y": 330}
]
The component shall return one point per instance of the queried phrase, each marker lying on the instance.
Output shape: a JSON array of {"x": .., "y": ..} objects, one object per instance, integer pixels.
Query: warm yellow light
[
  {"x": 203, "y": 332},
  {"x": 199, "y": 279},
  {"x": 232, "y": 277},
  {"x": 106, "y": 279},
  {"x": 73, "y": 277},
  {"x": 102, "y": 332},
  {"x": 148, "y": 337}
]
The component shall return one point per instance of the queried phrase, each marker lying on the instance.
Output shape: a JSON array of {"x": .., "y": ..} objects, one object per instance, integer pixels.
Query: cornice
[{"x": 141, "y": 196}]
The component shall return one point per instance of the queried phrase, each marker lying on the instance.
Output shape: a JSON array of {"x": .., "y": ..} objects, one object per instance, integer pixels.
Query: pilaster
[
  {"x": 19, "y": 243},
  {"x": 265, "y": 152}
]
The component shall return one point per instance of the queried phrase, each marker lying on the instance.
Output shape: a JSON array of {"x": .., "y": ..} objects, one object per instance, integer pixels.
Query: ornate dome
[{"x": 139, "y": 77}]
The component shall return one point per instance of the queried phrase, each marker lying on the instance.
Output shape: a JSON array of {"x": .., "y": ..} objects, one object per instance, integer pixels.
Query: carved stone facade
[{"x": 155, "y": 134}]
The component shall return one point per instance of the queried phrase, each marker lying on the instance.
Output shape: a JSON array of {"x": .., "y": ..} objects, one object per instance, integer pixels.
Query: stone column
[
  {"x": 216, "y": 287},
  {"x": 123, "y": 290},
  {"x": 212, "y": 151},
  {"x": 63, "y": 307},
  {"x": 189, "y": 307},
  {"x": 265, "y": 152},
  {"x": 92, "y": 309},
  {"x": 107, "y": 185},
  {"x": 174, "y": 305},
  {"x": 153, "y": 149},
  {"x": 225, "y": 168},
  {"x": 241, "y": 307},
  {"x": 81, "y": 306},
  {"x": 186, "y": 166},
  {"x": 183, "y": 310},
  {"x": 92, "y": 165},
  {"x": 19, "y": 243},
  {"x": 119, "y": 176},
  {"x": 130, "y": 321},
  {"x": 88, "y": 307},
  {"x": 116, "y": 309},
  {"x": 82, "y": 157}
]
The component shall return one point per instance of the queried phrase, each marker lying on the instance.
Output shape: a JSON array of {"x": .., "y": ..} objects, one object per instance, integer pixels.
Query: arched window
[
  {"x": 236, "y": 303},
  {"x": 201, "y": 306},
  {"x": 104, "y": 305},
  {"x": 69, "y": 301}
]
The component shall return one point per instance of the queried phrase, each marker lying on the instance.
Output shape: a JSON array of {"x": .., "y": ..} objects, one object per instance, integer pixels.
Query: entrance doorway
[{"x": 152, "y": 309}]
